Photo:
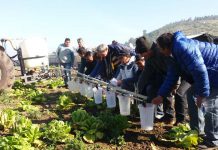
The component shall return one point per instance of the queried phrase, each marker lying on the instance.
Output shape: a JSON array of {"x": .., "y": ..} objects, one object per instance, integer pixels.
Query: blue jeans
[
  {"x": 205, "y": 119},
  {"x": 195, "y": 114},
  {"x": 67, "y": 74},
  {"x": 211, "y": 116}
]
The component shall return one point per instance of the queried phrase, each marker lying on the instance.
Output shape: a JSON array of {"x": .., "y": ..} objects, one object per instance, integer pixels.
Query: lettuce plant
[{"x": 57, "y": 131}]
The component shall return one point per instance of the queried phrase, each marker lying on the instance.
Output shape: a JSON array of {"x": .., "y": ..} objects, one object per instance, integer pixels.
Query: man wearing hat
[
  {"x": 153, "y": 75},
  {"x": 109, "y": 61}
]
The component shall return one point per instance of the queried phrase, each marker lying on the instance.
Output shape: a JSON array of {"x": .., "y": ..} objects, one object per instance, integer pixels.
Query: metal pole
[
  {"x": 20, "y": 58},
  {"x": 105, "y": 85}
]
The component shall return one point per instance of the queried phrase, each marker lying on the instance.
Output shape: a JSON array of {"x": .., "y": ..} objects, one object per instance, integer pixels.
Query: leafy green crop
[
  {"x": 28, "y": 91},
  {"x": 32, "y": 111},
  {"x": 21, "y": 124},
  {"x": 189, "y": 140},
  {"x": 76, "y": 143},
  {"x": 18, "y": 92},
  {"x": 114, "y": 125},
  {"x": 36, "y": 96},
  {"x": 6, "y": 96},
  {"x": 64, "y": 102},
  {"x": 92, "y": 129},
  {"x": 90, "y": 126},
  {"x": 182, "y": 136},
  {"x": 57, "y": 131},
  {"x": 8, "y": 118},
  {"x": 120, "y": 140},
  {"x": 178, "y": 131},
  {"x": 53, "y": 84},
  {"x": 14, "y": 143},
  {"x": 24, "y": 128},
  {"x": 26, "y": 106},
  {"x": 20, "y": 85},
  {"x": 78, "y": 117}
]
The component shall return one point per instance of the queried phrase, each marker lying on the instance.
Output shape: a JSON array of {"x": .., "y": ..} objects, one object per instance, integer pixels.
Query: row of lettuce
[{"x": 21, "y": 133}]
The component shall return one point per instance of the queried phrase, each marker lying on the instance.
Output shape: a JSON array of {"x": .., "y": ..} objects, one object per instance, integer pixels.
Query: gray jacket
[
  {"x": 128, "y": 70},
  {"x": 65, "y": 54}
]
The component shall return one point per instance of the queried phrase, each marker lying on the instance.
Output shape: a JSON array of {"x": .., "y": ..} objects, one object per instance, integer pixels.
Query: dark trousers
[
  {"x": 152, "y": 90},
  {"x": 167, "y": 109},
  {"x": 181, "y": 100}
]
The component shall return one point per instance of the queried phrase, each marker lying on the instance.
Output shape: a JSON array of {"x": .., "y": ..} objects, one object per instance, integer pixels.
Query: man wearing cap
[
  {"x": 107, "y": 65},
  {"x": 153, "y": 75}
]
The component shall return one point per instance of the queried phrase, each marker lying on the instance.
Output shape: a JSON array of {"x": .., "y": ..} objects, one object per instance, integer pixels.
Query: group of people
[{"x": 173, "y": 67}]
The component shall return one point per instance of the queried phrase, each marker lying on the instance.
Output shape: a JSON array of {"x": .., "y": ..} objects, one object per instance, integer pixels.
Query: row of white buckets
[
  {"x": 146, "y": 113},
  {"x": 88, "y": 91}
]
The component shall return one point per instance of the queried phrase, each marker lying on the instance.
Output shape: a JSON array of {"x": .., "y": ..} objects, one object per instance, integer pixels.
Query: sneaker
[
  {"x": 206, "y": 144},
  {"x": 159, "y": 116}
]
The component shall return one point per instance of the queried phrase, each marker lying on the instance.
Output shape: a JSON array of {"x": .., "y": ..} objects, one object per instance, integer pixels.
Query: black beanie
[
  {"x": 81, "y": 50},
  {"x": 124, "y": 53},
  {"x": 138, "y": 57},
  {"x": 143, "y": 44}
]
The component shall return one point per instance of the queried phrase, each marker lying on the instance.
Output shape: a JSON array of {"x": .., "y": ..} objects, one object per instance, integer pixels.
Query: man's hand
[
  {"x": 119, "y": 82},
  {"x": 157, "y": 100},
  {"x": 199, "y": 101}
]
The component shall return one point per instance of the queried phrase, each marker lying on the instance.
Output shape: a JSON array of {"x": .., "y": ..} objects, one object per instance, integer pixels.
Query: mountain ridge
[{"x": 198, "y": 25}]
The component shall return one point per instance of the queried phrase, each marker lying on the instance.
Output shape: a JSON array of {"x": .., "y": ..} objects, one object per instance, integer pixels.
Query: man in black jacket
[
  {"x": 153, "y": 75},
  {"x": 91, "y": 61}
]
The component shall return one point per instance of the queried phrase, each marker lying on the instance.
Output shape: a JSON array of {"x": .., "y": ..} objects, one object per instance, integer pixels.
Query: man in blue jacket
[
  {"x": 153, "y": 75},
  {"x": 108, "y": 61},
  {"x": 197, "y": 63}
]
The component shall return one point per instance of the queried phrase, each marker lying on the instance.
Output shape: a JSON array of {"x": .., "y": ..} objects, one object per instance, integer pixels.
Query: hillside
[{"x": 207, "y": 24}]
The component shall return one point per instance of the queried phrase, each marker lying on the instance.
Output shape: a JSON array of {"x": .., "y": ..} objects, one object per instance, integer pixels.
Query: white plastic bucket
[
  {"x": 73, "y": 85},
  {"x": 89, "y": 91},
  {"x": 124, "y": 105},
  {"x": 70, "y": 85},
  {"x": 76, "y": 86},
  {"x": 146, "y": 116},
  {"x": 110, "y": 99},
  {"x": 97, "y": 95},
  {"x": 82, "y": 89}
]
